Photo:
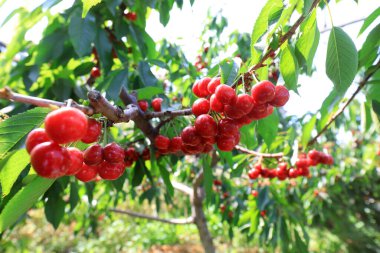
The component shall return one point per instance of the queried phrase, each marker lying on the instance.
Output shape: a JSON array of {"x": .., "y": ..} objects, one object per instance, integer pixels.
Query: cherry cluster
[{"x": 301, "y": 168}]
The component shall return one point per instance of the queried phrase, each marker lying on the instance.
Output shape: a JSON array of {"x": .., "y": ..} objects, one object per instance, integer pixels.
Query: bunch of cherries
[
  {"x": 221, "y": 113},
  {"x": 313, "y": 158}
]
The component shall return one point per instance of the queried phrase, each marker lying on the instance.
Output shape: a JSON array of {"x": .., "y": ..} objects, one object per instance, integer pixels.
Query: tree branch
[
  {"x": 255, "y": 153},
  {"x": 343, "y": 25},
  {"x": 171, "y": 114},
  {"x": 8, "y": 94},
  {"x": 183, "y": 188},
  {"x": 188, "y": 220},
  {"x": 340, "y": 111}
]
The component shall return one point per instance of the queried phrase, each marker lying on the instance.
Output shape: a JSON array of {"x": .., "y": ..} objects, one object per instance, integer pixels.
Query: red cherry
[
  {"x": 93, "y": 155},
  {"x": 207, "y": 148},
  {"x": 283, "y": 166},
  {"x": 128, "y": 162},
  {"x": 143, "y": 105},
  {"x": 66, "y": 125},
  {"x": 232, "y": 112},
  {"x": 263, "y": 213},
  {"x": 222, "y": 208},
  {"x": 203, "y": 86},
  {"x": 237, "y": 138},
  {"x": 260, "y": 112},
  {"x": 314, "y": 155},
  {"x": 225, "y": 94},
  {"x": 293, "y": 173},
  {"x": 302, "y": 163},
  {"x": 215, "y": 104},
  {"x": 263, "y": 92},
  {"x": 264, "y": 173},
  {"x": 272, "y": 173},
  {"x": 146, "y": 154},
  {"x": 281, "y": 96},
  {"x": 35, "y": 137},
  {"x": 190, "y": 136},
  {"x": 113, "y": 153},
  {"x": 131, "y": 154},
  {"x": 244, "y": 103},
  {"x": 227, "y": 127},
  {"x": 95, "y": 72},
  {"x": 304, "y": 172},
  {"x": 201, "y": 106},
  {"x": 50, "y": 160},
  {"x": 327, "y": 159},
  {"x": 87, "y": 173},
  {"x": 111, "y": 171},
  {"x": 225, "y": 143},
  {"x": 156, "y": 104},
  {"x": 211, "y": 87},
  {"x": 131, "y": 16},
  {"x": 226, "y": 195},
  {"x": 161, "y": 142},
  {"x": 94, "y": 129},
  {"x": 191, "y": 150},
  {"x": 281, "y": 173},
  {"x": 217, "y": 182},
  {"x": 254, "y": 193},
  {"x": 175, "y": 144},
  {"x": 206, "y": 125},
  {"x": 209, "y": 139},
  {"x": 76, "y": 161},
  {"x": 254, "y": 173},
  {"x": 195, "y": 89},
  {"x": 245, "y": 120}
]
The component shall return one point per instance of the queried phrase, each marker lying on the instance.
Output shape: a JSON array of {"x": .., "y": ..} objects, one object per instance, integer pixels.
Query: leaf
[
  {"x": 82, "y": 32},
  {"x": 166, "y": 177},
  {"x": 306, "y": 7},
  {"x": 369, "y": 51},
  {"x": 87, "y": 5},
  {"x": 369, "y": 20},
  {"x": 376, "y": 108},
  {"x": 289, "y": 68},
  {"x": 74, "y": 196},
  {"x": 164, "y": 10},
  {"x": 16, "y": 127},
  {"x": 149, "y": 92},
  {"x": 342, "y": 59},
  {"x": 146, "y": 74},
  {"x": 23, "y": 201},
  {"x": 11, "y": 167},
  {"x": 207, "y": 175},
  {"x": 285, "y": 15},
  {"x": 254, "y": 221},
  {"x": 372, "y": 90},
  {"x": 138, "y": 173},
  {"x": 104, "y": 48},
  {"x": 54, "y": 208},
  {"x": 306, "y": 131},
  {"x": 114, "y": 81},
  {"x": 83, "y": 69},
  {"x": 229, "y": 70},
  {"x": 268, "y": 128}
]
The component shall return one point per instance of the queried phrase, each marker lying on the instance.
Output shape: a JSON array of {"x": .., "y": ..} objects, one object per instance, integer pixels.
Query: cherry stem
[{"x": 261, "y": 155}]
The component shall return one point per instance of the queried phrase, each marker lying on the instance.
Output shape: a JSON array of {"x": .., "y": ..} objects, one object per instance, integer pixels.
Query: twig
[
  {"x": 255, "y": 153},
  {"x": 182, "y": 188},
  {"x": 188, "y": 220},
  {"x": 340, "y": 111},
  {"x": 8, "y": 94},
  {"x": 171, "y": 114},
  {"x": 343, "y": 25}
]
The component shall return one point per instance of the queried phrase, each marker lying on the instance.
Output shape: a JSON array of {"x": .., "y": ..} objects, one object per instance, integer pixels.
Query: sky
[{"x": 185, "y": 26}]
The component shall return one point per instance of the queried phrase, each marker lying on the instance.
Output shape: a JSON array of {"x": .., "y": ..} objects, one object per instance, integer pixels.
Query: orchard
[{"x": 114, "y": 136}]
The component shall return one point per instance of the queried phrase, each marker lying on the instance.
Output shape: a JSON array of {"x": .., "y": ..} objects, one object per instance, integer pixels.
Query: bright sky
[{"x": 185, "y": 27}]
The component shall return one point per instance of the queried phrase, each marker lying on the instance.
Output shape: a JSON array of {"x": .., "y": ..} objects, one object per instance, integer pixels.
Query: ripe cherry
[
  {"x": 161, "y": 142},
  {"x": 93, "y": 155},
  {"x": 281, "y": 96},
  {"x": 227, "y": 127},
  {"x": 175, "y": 144},
  {"x": 206, "y": 126},
  {"x": 146, "y": 154},
  {"x": 201, "y": 106},
  {"x": 211, "y": 87},
  {"x": 111, "y": 171},
  {"x": 263, "y": 92},
  {"x": 35, "y": 137},
  {"x": 190, "y": 136},
  {"x": 253, "y": 174},
  {"x": 293, "y": 173},
  {"x": 143, "y": 105},
  {"x": 217, "y": 182},
  {"x": 203, "y": 86},
  {"x": 225, "y": 143},
  {"x": 233, "y": 112},
  {"x": 131, "y": 16},
  {"x": 113, "y": 153},
  {"x": 156, "y": 104},
  {"x": 244, "y": 103},
  {"x": 76, "y": 161},
  {"x": 50, "y": 160},
  {"x": 94, "y": 129},
  {"x": 263, "y": 213},
  {"x": 215, "y": 104},
  {"x": 195, "y": 89},
  {"x": 302, "y": 163},
  {"x": 225, "y": 94},
  {"x": 87, "y": 173},
  {"x": 66, "y": 125},
  {"x": 95, "y": 72},
  {"x": 207, "y": 148},
  {"x": 192, "y": 150},
  {"x": 131, "y": 153},
  {"x": 260, "y": 112},
  {"x": 209, "y": 139},
  {"x": 254, "y": 193}
]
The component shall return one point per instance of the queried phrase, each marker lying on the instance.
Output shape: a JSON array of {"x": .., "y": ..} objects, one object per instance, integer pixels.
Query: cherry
[
  {"x": 237, "y": 138},
  {"x": 95, "y": 72},
  {"x": 272, "y": 173},
  {"x": 283, "y": 166},
  {"x": 244, "y": 103},
  {"x": 131, "y": 16},
  {"x": 76, "y": 161},
  {"x": 263, "y": 92},
  {"x": 128, "y": 162},
  {"x": 215, "y": 104},
  {"x": 87, "y": 173},
  {"x": 225, "y": 94},
  {"x": 201, "y": 106},
  {"x": 93, "y": 155},
  {"x": 254, "y": 173},
  {"x": 327, "y": 159},
  {"x": 35, "y": 137},
  {"x": 225, "y": 143},
  {"x": 66, "y": 125},
  {"x": 281, "y": 173},
  {"x": 217, "y": 182},
  {"x": 111, "y": 171},
  {"x": 94, "y": 129},
  {"x": 206, "y": 125},
  {"x": 190, "y": 136},
  {"x": 156, "y": 104},
  {"x": 227, "y": 127},
  {"x": 143, "y": 105},
  {"x": 203, "y": 86},
  {"x": 211, "y": 87},
  {"x": 293, "y": 173},
  {"x": 302, "y": 163},
  {"x": 222, "y": 208},
  {"x": 131, "y": 154},
  {"x": 260, "y": 112},
  {"x": 50, "y": 160},
  {"x": 263, "y": 213},
  {"x": 209, "y": 139},
  {"x": 254, "y": 193},
  {"x": 232, "y": 112},
  {"x": 175, "y": 144},
  {"x": 195, "y": 89},
  {"x": 245, "y": 120},
  {"x": 191, "y": 150},
  {"x": 146, "y": 154},
  {"x": 161, "y": 142},
  {"x": 281, "y": 96},
  {"x": 113, "y": 153},
  {"x": 207, "y": 148},
  {"x": 314, "y": 155},
  {"x": 264, "y": 173}
]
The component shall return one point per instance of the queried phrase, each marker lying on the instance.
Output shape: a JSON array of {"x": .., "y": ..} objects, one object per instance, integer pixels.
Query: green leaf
[
  {"x": 164, "y": 10},
  {"x": 16, "y": 127},
  {"x": 268, "y": 128},
  {"x": 87, "y": 5},
  {"x": 369, "y": 51},
  {"x": 114, "y": 81},
  {"x": 254, "y": 221},
  {"x": 138, "y": 173},
  {"x": 369, "y": 20},
  {"x": 376, "y": 108},
  {"x": 166, "y": 176},
  {"x": 207, "y": 175},
  {"x": 74, "y": 195},
  {"x": 54, "y": 208},
  {"x": 149, "y": 92},
  {"x": 306, "y": 7},
  {"x": 372, "y": 90},
  {"x": 306, "y": 131},
  {"x": 83, "y": 69},
  {"x": 82, "y": 32},
  {"x": 289, "y": 68},
  {"x": 229, "y": 70},
  {"x": 23, "y": 201},
  {"x": 146, "y": 74},
  {"x": 11, "y": 167},
  {"x": 366, "y": 119},
  {"x": 342, "y": 59},
  {"x": 104, "y": 48}
]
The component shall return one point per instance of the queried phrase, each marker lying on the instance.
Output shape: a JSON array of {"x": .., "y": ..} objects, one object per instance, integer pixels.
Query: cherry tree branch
[
  {"x": 170, "y": 114},
  {"x": 8, "y": 94},
  {"x": 255, "y": 153},
  {"x": 345, "y": 24},
  {"x": 180, "y": 221},
  {"x": 362, "y": 83}
]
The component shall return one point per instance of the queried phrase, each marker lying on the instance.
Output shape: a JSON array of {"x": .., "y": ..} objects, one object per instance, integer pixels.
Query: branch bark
[{"x": 171, "y": 114}]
